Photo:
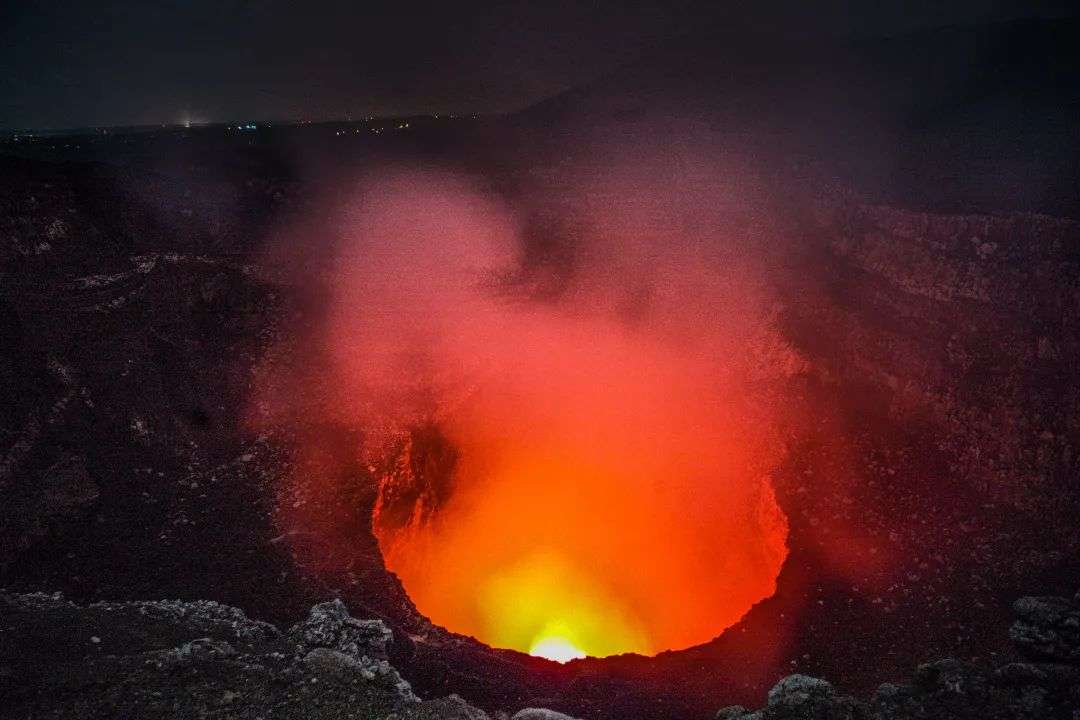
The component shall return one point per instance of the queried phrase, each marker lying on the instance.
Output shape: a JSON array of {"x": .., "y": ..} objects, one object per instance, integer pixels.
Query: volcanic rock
[
  {"x": 192, "y": 659},
  {"x": 799, "y": 690},
  {"x": 333, "y": 642},
  {"x": 950, "y": 688},
  {"x": 736, "y": 712},
  {"x": 451, "y": 707},
  {"x": 329, "y": 625},
  {"x": 540, "y": 714},
  {"x": 1048, "y": 628},
  {"x": 323, "y": 660},
  {"x": 800, "y": 697}
]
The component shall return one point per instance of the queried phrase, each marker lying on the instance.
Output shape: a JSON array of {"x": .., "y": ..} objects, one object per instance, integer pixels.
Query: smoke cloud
[{"x": 599, "y": 366}]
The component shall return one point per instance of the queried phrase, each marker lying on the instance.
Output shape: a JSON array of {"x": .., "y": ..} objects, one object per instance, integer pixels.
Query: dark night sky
[{"x": 69, "y": 63}]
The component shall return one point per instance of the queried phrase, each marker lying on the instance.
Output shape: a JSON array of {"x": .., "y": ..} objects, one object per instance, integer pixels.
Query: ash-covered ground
[{"x": 930, "y": 471}]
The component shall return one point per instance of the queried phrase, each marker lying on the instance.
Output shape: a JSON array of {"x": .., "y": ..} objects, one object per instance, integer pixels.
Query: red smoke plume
[{"x": 605, "y": 392}]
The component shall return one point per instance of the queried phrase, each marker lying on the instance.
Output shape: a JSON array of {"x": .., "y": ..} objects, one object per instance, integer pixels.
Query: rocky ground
[
  {"x": 202, "y": 659},
  {"x": 1044, "y": 682}
]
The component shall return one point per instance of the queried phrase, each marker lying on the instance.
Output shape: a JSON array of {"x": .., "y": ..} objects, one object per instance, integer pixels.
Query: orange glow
[
  {"x": 609, "y": 491},
  {"x": 599, "y": 500}
]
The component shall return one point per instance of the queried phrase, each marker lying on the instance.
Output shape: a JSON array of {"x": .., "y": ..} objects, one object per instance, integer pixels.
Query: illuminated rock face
[
  {"x": 561, "y": 558},
  {"x": 626, "y": 580}
]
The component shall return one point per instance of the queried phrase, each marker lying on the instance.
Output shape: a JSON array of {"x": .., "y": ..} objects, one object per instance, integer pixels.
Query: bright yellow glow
[
  {"x": 548, "y": 606},
  {"x": 557, "y": 649}
]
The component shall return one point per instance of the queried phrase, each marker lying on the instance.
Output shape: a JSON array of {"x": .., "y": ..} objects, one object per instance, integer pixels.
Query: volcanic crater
[{"x": 599, "y": 413}]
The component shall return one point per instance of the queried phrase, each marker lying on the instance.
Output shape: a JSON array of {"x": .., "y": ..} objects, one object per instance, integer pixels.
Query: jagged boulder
[
  {"x": 1048, "y": 628},
  {"x": 329, "y": 625},
  {"x": 199, "y": 659},
  {"x": 335, "y": 644},
  {"x": 795, "y": 690},
  {"x": 451, "y": 707},
  {"x": 800, "y": 697}
]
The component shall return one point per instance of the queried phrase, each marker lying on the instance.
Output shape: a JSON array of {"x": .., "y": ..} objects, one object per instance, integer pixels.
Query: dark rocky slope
[
  {"x": 1044, "y": 682},
  {"x": 207, "y": 660},
  {"x": 977, "y": 117},
  {"x": 199, "y": 659}
]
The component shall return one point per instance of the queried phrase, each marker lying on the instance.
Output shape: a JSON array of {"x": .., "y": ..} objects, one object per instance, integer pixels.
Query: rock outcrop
[
  {"x": 539, "y": 714},
  {"x": 1045, "y": 684},
  {"x": 204, "y": 659},
  {"x": 199, "y": 659},
  {"x": 1048, "y": 628}
]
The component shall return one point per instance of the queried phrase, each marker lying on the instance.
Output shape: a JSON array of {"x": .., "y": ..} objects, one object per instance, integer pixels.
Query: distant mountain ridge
[{"x": 991, "y": 109}]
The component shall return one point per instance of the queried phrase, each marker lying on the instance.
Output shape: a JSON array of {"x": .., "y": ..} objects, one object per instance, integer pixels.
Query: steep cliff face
[
  {"x": 415, "y": 477},
  {"x": 970, "y": 323}
]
